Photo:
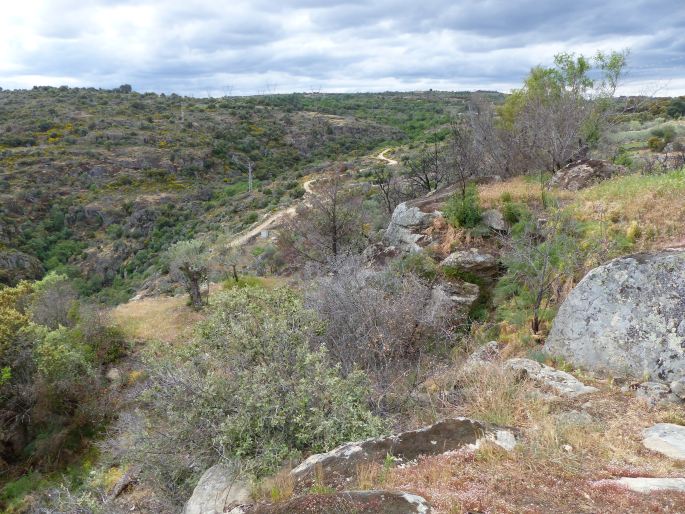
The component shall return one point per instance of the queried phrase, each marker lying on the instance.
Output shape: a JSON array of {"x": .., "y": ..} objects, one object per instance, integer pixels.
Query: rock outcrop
[
  {"x": 16, "y": 266},
  {"x": 373, "y": 502},
  {"x": 627, "y": 317},
  {"x": 452, "y": 301},
  {"x": 559, "y": 381},
  {"x": 219, "y": 490},
  {"x": 584, "y": 173},
  {"x": 473, "y": 261},
  {"x": 405, "y": 230},
  {"x": 340, "y": 465}
]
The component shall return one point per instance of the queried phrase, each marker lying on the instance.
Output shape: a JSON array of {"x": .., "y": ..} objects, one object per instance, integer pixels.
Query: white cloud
[{"x": 203, "y": 47}]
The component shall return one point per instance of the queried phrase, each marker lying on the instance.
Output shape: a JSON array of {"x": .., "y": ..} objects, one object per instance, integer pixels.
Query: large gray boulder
[
  {"x": 627, "y": 317},
  {"x": 340, "y": 465},
  {"x": 584, "y": 173},
  {"x": 405, "y": 230},
  {"x": 218, "y": 490}
]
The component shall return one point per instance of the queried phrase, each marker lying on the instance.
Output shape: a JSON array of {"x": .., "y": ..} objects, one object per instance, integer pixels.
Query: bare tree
[
  {"x": 329, "y": 225},
  {"x": 389, "y": 186},
  {"x": 428, "y": 171},
  {"x": 464, "y": 158}
]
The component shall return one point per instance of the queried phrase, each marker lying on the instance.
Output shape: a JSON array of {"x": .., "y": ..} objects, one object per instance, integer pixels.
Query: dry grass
[
  {"x": 166, "y": 319},
  {"x": 522, "y": 189},
  {"x": 279, "y": 488},
  {"x": 558, "y": 465},
  {"x": 646, "y": 208}
]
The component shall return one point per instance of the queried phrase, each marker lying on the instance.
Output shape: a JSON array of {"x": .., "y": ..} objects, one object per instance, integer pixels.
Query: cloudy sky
[{"x": 213, "y": 47}]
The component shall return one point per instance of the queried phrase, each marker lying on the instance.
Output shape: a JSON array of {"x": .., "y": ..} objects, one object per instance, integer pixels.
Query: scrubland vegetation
[{"x": 319, "y": 333}]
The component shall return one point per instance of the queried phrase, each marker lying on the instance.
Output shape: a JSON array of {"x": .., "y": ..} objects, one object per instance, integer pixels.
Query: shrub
[
  {"x": 464, "y": 211},
  {"x": 250, "y": 387},
  {"x": 656, "y": 144},
  {"x": 515, "y": 212}
]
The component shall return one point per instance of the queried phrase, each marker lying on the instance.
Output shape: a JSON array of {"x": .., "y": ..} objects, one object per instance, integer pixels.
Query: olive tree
[{"x": 189, "y": 264}]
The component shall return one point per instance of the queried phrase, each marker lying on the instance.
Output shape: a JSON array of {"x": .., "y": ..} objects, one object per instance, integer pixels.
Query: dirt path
[
  {"x": 381, "y": 156},
  {"x": 276, "y": 217}
]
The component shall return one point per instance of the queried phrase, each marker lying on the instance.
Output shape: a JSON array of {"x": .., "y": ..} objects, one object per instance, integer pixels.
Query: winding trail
[
  {"x": 381, "y": 156},
  {"x": 274, "y": 218}
]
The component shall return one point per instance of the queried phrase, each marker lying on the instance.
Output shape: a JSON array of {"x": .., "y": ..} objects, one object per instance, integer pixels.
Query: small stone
[{"x": 113, "y": 375}]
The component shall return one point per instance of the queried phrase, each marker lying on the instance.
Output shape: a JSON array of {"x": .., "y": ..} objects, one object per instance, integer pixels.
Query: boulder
[
  {"x": 406, "y": 227},
  {"x": 473, "y": 261},
  {"x": 584, "y": 173},
  {"x": 627, "y": 317},
  {"x": 493, "y": 219},
  {"x": 373, "y": 502},
  {"x": 452, "y": 300},
  {"x": 485, "y": 354},
  {"x": 340, "y": 465},
  {"x": 16, "y": 266},
  {"x": 218, "y": 490},
  {"x": 561, "y": 382},
  {"x": 666, "y": 438}
]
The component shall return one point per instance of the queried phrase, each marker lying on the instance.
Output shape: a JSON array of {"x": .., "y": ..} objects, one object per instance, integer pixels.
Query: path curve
[
  {"x": 381, "y": 156},
  {"x": 274, "y": 218}
]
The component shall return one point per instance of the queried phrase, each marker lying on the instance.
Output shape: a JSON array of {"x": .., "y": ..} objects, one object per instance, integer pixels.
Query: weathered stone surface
[
  {"x": 656, "y": 393},
  {"x": 493, "y": 218},
  {"x": 373, "y": 502},
  {"x": 406, "y": 226},
  {"x": 218, "y": 491},
  {"x": 648, "y": 485},
  {"x": 584, "y": 173},
  {"x": 627, "y": 317},
  {"x": 678, "y": 388},
  {"x": 16, "y": 266},
  {"x": 340, "y": 465},
  {"x": 487, "y": 353},
  {"x": 573, "y": 418},
  {"x": 666, "y": 438},
  {"x": 561, "y": 382},
  {"x": 473, "y": 261},
  {"x": 452, "y": 300}
]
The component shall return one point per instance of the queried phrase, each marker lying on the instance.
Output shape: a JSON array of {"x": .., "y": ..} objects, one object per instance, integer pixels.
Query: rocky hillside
[{"x": 97, "y": 183}]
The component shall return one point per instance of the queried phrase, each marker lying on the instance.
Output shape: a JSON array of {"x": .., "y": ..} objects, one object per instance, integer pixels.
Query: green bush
[
  {"x": 515, "y": 212},
  {"x": 464, "y": 211},
  {"x": 250, "y": 387}
]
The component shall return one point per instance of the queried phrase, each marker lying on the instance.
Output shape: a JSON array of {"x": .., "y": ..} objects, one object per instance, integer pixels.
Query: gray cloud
[{"x": 211, "y": 47}]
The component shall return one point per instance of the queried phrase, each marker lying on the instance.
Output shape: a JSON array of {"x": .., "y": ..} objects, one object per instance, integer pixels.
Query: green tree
[{"x": 189, "y": 264}]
